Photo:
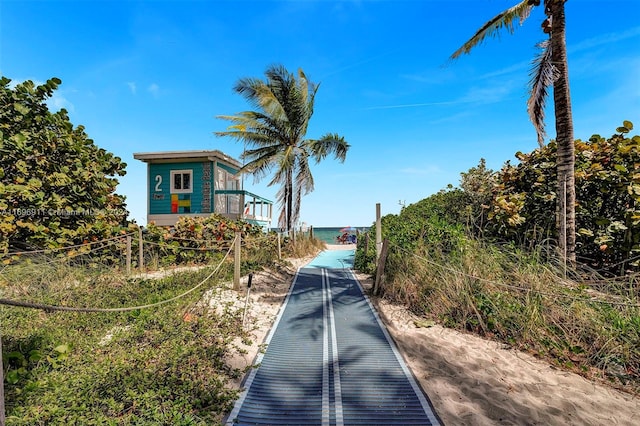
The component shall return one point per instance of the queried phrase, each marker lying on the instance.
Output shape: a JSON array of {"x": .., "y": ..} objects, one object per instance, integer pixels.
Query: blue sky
[{"x": 153, "y": 75}]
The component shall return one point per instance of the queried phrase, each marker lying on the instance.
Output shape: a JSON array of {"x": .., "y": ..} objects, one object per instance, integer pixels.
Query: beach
[
  {"x": 474, "y": 381},
  {"x": 468, "y": 379}
]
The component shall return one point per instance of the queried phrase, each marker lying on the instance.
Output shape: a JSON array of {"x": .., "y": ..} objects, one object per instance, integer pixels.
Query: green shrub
[
  {"x": 516, "y": 294},
  {"x": 159, "y": 366}
]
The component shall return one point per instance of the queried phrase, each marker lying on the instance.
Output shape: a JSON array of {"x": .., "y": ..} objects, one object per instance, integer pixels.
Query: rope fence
[
  {"x": 124, "y": 243},
  {"x": 231, "y": 246},
  {"x": 118, "y": 250},
  {"x": 167, "y": 245},
  {"x": 119, "y": 309},
  {"x": 56, "y": 249},
  {"x": 152, "y": 249}
]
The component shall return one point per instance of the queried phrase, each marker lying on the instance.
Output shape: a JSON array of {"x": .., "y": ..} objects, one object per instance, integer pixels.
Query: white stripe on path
[
  {"x": 337, "y": 388},
  {"x": 326, "y": 409}
]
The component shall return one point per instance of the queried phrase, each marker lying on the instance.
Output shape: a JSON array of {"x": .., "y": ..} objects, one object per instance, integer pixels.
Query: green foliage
[
  {"x": 607, "y": 193},
  {"x": 276, "y": 132},
  {"x": 434, "y": 223},
  {"x": 477, "y": 188},
  {"x": 56, "y": 186},
  {"x": 512, "y": 292},
  {"x": 304, "y": 244},
  {"x": 524, "y": 197},
  {"x": 164, "y": 365},
  {"x": 428, "y": 221},
  {"x": 365, "y": 256},
  {"x": 199, "y": 239}
]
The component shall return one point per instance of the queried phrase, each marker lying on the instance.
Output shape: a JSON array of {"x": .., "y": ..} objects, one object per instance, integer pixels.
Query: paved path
[{"x": 329, "y": 360}]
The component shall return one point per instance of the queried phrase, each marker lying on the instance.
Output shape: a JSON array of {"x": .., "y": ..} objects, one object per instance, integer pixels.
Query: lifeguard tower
[{"x": 199, "y": 183}]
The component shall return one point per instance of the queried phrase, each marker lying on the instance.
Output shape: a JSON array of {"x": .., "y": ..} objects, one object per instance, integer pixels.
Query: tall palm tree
[
  {"x": 276, "y": 133},
  {"x": 550, "y": 70}
]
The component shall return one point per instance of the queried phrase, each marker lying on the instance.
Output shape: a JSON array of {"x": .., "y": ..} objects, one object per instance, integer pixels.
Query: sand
[
  {"x": 473, "y": 381},
  {"x": 469, "y": 380}
]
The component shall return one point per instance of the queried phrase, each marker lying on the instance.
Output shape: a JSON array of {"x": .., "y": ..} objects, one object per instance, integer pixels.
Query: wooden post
[
  {"x": 311, "y": 232},
  {"x": 140, "y": 251},
  {"x": 128, "y": 254},
  {"x": 366, "y": 244},
  {"x": 377, "y": 286},
  {"x": 378, "y": 233},
  {"x": 2, "y": 416},
  {"x": 279, "y": 247},
  {"x": 236, "y": 262}
]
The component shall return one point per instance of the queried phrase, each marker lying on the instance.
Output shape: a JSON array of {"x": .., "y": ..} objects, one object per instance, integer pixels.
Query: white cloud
[
  {"x": 480, "y": 95},
  {"x": 55, "y": 103},
  {"x": 422, "y": 104},
  {"x": 132, "y": 87},
  {"x": 431, "y": 77},
  {"x": 455, "y": 118},
  {"x": 604, "y": 39},
  {"x": 511, "y": 69},
  {"x": 154, "y": 89},
  {"x": 421, "y": 171},
  {"x": 490, "y": 93}
]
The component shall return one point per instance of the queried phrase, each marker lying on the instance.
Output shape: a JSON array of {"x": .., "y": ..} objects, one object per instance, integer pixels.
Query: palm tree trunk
[
  {"x": 564, "y": 136},
  {"x": 289, "y": 198}
]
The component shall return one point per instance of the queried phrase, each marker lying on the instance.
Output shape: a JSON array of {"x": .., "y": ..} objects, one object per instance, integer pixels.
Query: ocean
[{"x": 328, "y": 235}]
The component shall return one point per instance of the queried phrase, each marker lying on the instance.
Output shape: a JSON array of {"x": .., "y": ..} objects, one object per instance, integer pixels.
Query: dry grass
[
  {"x": 519, "y": 300},
  {"x": 302, "y": 245}
]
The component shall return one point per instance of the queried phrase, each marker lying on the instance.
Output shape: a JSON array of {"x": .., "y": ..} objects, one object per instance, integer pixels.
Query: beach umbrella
[{"x": 348, "y": 229}]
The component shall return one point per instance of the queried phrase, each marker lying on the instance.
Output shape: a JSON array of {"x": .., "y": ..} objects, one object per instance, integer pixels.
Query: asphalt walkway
[{"x": 329, "y": 359}]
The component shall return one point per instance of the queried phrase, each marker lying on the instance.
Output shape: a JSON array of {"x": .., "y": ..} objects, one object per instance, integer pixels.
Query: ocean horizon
[{"x": 328, "y": 234}]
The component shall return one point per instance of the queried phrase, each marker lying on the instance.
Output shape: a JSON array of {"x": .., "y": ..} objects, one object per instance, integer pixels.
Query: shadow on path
[{"x": 328, "y": 360}]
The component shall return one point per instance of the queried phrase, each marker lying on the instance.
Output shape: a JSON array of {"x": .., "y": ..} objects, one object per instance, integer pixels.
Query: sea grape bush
[
  {"x": 523, "y": 206},
  {"x": 435, "y": 223},
  {"x": 57, "y": 187}
]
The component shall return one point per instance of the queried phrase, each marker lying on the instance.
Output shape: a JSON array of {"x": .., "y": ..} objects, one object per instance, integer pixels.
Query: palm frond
[
  {"x": 252, "y": 89},
  {"x": 331, "y": 143},
  {"x": 270, "y": 103},
  {"x": 302, "y": 185},
  {"x": 284, "y": 163},
  {"x": 276, "y": 130},
  {"x": 304, "y": 179},
  {"x": 260, "y": 161},
  {"x": 543, "y": 75},
  {"x": 281, "y": 217},
  {"x": 282, "y": 198},
  {"x": 281, "y": 84},
  {"x": 504, "y": 20},
  {"x": 261, "y": 95},
  {"x": 303, "y": 85},
  {"x": 255, "y": 127}
]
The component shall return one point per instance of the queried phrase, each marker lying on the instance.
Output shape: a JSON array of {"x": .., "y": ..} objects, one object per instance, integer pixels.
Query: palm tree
[
  {"x": 276, "y": 132},
  {"x": 550, "y": 70}
]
